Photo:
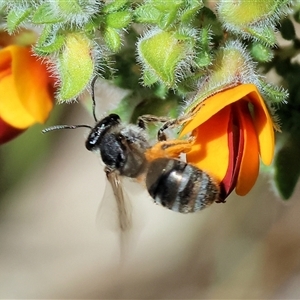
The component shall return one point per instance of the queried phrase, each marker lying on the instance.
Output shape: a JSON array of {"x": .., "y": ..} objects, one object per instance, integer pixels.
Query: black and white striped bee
[{"x": 126, "y": 151}]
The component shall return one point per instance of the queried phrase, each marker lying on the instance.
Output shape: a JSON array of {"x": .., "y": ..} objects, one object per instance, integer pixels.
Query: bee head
[{"x": 94, "y": 138}]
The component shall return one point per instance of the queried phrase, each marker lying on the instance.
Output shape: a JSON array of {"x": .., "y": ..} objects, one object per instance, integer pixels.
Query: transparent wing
[
  {"x": 115, "y": 210},
  {"x": 124, "y": 207},
  {"x": 121, "y": 216}
]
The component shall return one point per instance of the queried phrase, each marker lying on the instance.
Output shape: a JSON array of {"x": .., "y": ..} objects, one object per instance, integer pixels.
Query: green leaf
[
  {"x": 114, "y": 6},
  {"x": 265, "y": 35},
  {"x": 203, "y": 59},
  {"x": 45, "y": 15},
  {"x": 118, "y": 20},
  {"x": 48, "y": 33},
  {"x": 112, "y": 39},
  {"x": 47, "y": 49},
  {"x": 190, "y": 12},
  {"x": 168, "y": 12},
  {"x": 149, "y": 78},
  {"x": 50, "y": 40},
  {"x": 146, "y": 14},
  {"x": 287, "y": 167},
  {"x": 3, "y": 5},
  {"x": 15, "y": 18},
  {"x": 167, "y": 19},
  {"x": 275, "y": 93},
  {"x": 164, "y": 6},
  {"x": 70, "y": 6}
]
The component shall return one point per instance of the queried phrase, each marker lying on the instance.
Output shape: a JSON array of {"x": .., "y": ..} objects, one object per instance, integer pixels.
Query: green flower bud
[
  {"x": 252, "y": 18},
  {"x": 75, "y": 65},
  {"x": 165, "y": 56},
  {"x": 245, "y": 12},
  {"x": 260, "y": 52}
]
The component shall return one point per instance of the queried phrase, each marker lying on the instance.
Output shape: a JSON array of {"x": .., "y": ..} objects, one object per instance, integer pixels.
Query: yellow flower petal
[
  {"x": 24, "y": 88},
  {"x": 210, "y": 150},
  {"x": 11, "y": 109},
  {"x": 32, "y": 83}
]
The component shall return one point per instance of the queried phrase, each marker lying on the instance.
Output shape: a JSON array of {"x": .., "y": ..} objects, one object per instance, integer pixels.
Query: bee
[{"x": 126, "y": 151}]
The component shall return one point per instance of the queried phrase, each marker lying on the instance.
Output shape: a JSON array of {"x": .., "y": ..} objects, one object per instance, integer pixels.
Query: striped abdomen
[{"x": 180, "y": 186}]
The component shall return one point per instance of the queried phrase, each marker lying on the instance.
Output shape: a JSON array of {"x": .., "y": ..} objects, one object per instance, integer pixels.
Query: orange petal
[
  {"x": 32, "y": 83},
  {"x": 11, "y": 109},
  {"x": 249, "y": 167},
  {"x": 215, "y": 103},
  {"x": 25, "y": 98},
  {"x": 264, "y": 127},
  {"x": 210, "y": 149}
]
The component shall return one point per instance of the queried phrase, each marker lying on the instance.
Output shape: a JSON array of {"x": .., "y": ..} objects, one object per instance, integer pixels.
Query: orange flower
[
  {"x": 26, "y": 91},
  {"x": 232, "y": 129}
]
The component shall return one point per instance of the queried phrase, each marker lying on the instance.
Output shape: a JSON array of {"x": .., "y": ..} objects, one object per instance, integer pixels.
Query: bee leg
[
  {"x": 170, "y": 148},
  {"x": 144, "y": 119},
  {"x": 168, "y": 123},
  {"x": 172, "y": 123},
  {"x": 161, "y": 136}
]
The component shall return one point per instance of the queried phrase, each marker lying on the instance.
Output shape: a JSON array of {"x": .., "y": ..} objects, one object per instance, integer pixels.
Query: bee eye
[
  {"x": 114, "y": 117},
  {"x": 92, "y": 140}
]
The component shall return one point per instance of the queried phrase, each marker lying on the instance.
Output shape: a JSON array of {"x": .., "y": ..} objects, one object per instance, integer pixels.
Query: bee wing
[
  {"x": 123, "y": 205},
  {"x": 121, "y": 216},
  {"x": 114, "y": 218},
  {"x": 115, "y": 209}
]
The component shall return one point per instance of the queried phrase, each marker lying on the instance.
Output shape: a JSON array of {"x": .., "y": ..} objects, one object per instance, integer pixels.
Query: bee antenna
[
  {"x": 58, "y": 127},
  {"x": 93, "y": 97}
]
